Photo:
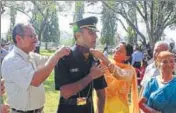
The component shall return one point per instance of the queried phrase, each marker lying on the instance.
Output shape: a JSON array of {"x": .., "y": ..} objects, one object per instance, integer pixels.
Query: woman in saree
[
  {"x": 159, "y": 95},
  {"x": 120, "y": 77}
]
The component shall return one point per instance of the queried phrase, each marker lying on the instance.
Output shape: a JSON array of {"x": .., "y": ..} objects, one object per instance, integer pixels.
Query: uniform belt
[
  {"x": 30, "y": 111},
  {"x": 73, "y": 101}
]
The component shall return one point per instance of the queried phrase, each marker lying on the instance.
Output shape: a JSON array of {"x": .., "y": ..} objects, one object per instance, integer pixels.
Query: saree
[
  {"x": 118, "y": 91},
  {"x": 161, "y": 99}
]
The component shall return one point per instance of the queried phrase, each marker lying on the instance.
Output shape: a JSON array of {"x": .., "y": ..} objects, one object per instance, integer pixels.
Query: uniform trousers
[{"x": 64, "y": 108}]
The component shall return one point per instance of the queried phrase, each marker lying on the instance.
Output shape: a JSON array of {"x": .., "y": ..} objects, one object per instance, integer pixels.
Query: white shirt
[
  {"x": 151, "y": 71},
  {"x": 17, "y": 70},
  {"x": 137, "y": 56}
]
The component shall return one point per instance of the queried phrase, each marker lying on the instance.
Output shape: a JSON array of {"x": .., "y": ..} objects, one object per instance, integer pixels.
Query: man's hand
[
  {"x": 97, "y": 71},
  {"x": 63, "y": 51},
  {"x": 4, "y": 108},
  {"x": 2, "y": 88}
]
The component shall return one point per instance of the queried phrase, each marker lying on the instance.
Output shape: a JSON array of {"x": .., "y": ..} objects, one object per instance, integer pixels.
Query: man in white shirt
[
  {"x": 151, "y": 70},
  {"x": 25, "y": 71}
]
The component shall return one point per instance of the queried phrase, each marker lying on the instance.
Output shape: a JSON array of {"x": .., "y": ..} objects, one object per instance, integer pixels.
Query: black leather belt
[
  {"x": 30, "y": 111},
  {"x": 73, "y": 101}
]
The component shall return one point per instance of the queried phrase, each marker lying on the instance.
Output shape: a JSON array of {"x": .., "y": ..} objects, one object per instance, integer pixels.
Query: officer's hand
[
  {"x": 63, "y": 51},
  {"x": 96, "y": 53},
  {"x": 2, "y": 88},
  {"x": 97, "y": 71},
  {"x": 4, "y": 108}
]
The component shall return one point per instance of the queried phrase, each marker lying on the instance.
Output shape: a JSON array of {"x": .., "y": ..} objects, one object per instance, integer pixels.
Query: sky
[{"x": 64, "y": 21}]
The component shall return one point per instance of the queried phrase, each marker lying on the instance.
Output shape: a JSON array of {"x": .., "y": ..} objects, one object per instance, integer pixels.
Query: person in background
[
  {"x": 151, "y": 70},
  {"x": 120, "y": 77},
  {"x": 137, "y": 58},
  {"x": 159, "y": 93},
  {"x": 3, "y": 53},
  {"x": 105, "y": 51},
  {"x": 37, "y": 47}
]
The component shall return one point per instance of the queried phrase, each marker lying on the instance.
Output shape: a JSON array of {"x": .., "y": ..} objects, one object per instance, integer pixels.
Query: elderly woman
[
  {"x": 159, "y": 95},
  {"x": 120, "y": 76}
]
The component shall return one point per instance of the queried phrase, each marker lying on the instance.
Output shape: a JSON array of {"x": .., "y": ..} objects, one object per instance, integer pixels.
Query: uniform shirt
[
  {"x": 137, "y": 56},
  {"x": 18, "y": 69},
  {"x": 74, "y": 67}
]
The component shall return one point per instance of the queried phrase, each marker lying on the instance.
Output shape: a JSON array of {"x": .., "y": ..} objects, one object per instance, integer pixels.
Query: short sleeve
[
  {"x": 17, "y": 71},
  {"x": 61, "y": 74},
  {"x": 100, "y": 83},
  {"x": 148, "y": 89},
  {"x": 39, "y": 59}
]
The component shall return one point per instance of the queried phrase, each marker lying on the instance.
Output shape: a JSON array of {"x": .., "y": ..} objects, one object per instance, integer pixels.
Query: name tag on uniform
[{"x": 74, "y": 70}]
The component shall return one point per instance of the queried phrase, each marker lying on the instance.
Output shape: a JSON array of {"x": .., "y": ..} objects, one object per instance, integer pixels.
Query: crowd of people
[{"x": 80, "y": 69}]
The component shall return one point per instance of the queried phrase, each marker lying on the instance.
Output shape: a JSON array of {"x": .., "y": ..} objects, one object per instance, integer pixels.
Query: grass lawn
[{"x": 52, "y": 96}]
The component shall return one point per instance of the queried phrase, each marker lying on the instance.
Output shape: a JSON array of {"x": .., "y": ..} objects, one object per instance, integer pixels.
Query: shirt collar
[
  {"x": 21, "y": 53},
  {"x": 82, "y": 49},
  {"x": 82, "y": 52}
]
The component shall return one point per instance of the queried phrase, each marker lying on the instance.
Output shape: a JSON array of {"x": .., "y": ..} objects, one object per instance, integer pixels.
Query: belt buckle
[{"x": 81, "y": 101}]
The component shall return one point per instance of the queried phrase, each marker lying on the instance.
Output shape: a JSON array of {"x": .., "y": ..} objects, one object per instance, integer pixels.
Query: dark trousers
[{"x": 64, "y": 108}]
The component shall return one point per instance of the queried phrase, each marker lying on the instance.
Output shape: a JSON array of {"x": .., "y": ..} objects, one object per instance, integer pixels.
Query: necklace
[{"x": 161, "y": 80}]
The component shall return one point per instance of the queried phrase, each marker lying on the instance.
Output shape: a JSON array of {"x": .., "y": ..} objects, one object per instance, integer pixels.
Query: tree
[
  {"x": 79, "y": 10},
  {"x": 2, "y": 9},
  {"x": 40, "y": 14},
  {"x": 51, "y": 32},
  {"x": 78, "y": 15},
  {"x": 131, "y": 36},
  {"x": 156, "y": 15},
  {"x": 109, "y": 25},
  {"x": 13, "y": 14}
]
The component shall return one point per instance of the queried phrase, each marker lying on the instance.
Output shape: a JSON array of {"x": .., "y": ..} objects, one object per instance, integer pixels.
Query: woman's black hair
[{"x": 129, "y": 50}]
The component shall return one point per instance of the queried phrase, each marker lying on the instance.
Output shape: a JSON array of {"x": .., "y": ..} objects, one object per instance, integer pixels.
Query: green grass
[
  {"x": 52, "y": 96},
  {"x": 46, "y": 52}
]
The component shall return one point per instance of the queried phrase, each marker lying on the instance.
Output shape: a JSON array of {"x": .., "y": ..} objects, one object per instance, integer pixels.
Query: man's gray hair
[
  {"x": 162, "y": 43},
  {"x": 19, "y": 29}
]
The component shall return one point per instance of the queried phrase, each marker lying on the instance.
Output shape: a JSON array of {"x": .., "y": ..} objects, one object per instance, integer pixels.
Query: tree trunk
[{"x": 46, "y": 45}]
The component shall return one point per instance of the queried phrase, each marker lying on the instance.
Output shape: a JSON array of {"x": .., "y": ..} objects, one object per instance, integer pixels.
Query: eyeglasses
[{"x": 31, "y": 36}]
